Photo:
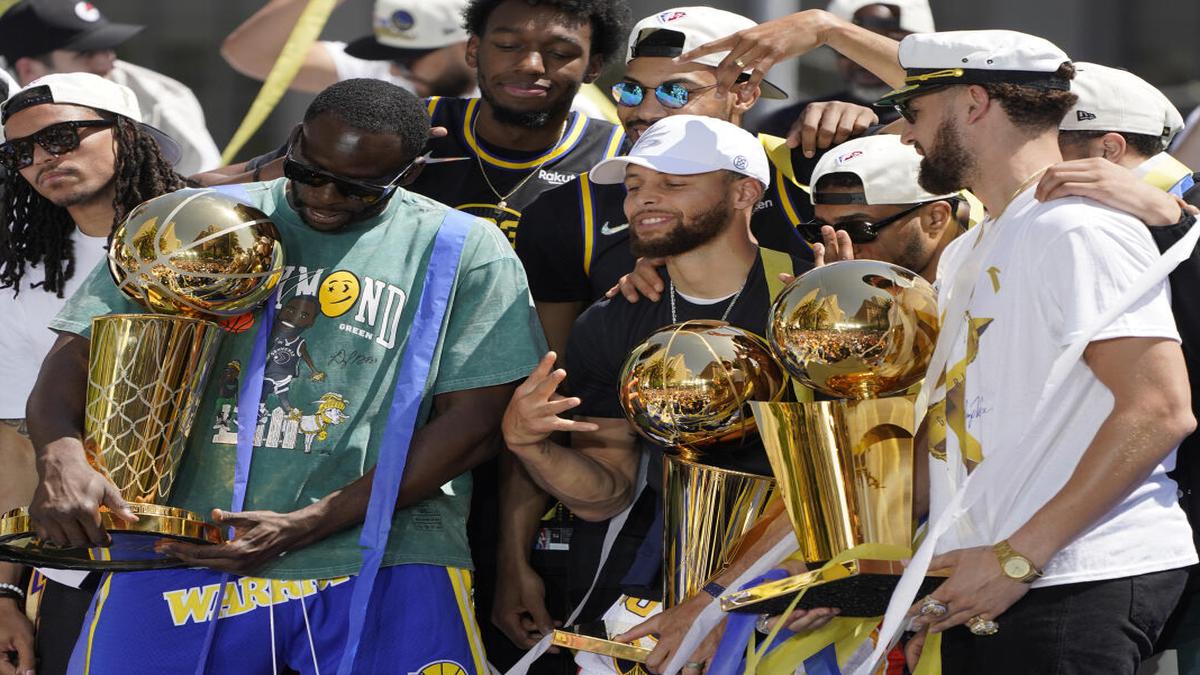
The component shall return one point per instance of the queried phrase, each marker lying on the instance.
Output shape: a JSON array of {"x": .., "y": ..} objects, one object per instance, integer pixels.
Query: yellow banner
[{"x": 295, "y": 50}]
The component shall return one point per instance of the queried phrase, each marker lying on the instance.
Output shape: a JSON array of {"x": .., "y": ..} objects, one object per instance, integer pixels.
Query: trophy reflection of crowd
[{"x": 674, "y": 210}]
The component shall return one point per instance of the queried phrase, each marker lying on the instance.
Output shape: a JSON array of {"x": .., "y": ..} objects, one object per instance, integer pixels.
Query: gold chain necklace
[
  {"x": 503, "y": 199},
  {"x": 1020, "y": 188}
]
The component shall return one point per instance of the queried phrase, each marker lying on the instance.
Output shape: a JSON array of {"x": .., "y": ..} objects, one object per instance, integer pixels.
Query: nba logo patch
[
  {"x": 402, "y": 20},
  {"x": 849, "y": 156},
  {"x": 667, "y": 17},
  {"x": 441, "y": 668}
]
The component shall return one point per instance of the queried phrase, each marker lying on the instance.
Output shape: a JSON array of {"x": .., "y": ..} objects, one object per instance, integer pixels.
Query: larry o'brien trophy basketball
[
  {"x": 863, "y": 332},
  {"x": 190, "y": 256},
  {"x": 687, "y": 388}
]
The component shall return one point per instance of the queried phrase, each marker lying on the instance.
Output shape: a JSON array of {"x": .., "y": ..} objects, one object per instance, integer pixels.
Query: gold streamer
[{"x": 303, "y": 36}]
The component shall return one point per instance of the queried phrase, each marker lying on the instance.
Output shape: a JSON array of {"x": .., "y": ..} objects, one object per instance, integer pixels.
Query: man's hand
[
  {"x": 1112, "y": 185},
  {"x": 976, "y": 587},
  {"x": 837, "y": 246},
  {"x": 66, "y": 504},
  {"x": 913, "y": 649},
  {"x": 533, "y": 413},
  {"x": 763, "y": 46},
  {"x": 519, "y": 609},
  {"x": 824, "y": 124},
  {"x": 670, "y": 626},
  {"x": 642, "y": 281},
  {"x": 260, "y": 537},
  {"x": 802, "y": 620},
  {"x": 16, "y": 640}
]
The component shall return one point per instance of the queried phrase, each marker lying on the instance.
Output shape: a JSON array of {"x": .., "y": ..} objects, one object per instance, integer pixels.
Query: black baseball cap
[{"x": 36, "y": 27}]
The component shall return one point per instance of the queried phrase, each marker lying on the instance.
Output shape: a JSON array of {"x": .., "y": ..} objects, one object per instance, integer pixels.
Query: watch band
[
  {"x": 714, "y": 589},
  {"x": 1004, "y": 552}
]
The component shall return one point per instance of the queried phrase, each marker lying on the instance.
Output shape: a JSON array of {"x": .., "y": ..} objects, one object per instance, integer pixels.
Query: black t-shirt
[
  {"x": 574, "y": 240},
  {"x": 602, "y": 338},
  {"x": 1185, "y": 304},
  {"x": 463, "y": 182}
]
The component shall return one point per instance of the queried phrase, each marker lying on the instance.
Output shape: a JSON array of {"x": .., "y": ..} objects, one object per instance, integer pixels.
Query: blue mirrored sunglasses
[{"x": 670, "y": 94}]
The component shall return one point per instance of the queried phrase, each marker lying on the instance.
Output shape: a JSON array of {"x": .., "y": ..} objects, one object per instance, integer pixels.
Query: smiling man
[{"x": 340, "y": 216}]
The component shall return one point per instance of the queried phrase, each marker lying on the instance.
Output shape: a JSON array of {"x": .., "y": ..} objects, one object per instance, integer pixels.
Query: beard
[
  {"x": 686, "y": 236},
  {"x": 529, "y": 119},
  {"x": 947, "y": 168}
]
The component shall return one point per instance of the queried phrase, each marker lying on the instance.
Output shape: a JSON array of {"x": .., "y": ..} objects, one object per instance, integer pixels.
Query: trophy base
[
  {"x": 595, "y": 645},
  {"x": 132, "y": 545},
  {"x": 860, "y": 588}
]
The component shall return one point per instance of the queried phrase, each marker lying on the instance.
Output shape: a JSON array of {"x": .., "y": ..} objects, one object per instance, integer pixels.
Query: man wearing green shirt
[{"x": 357, "y": 252}]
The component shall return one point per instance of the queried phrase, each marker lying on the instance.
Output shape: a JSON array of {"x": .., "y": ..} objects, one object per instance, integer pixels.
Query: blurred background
[{"x": 1155, "y": 40}]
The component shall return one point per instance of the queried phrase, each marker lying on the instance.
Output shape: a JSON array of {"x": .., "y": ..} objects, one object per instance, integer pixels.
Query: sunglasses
[
  {"x": 305, "y": 174},
  {"x": 860, "y": 231},
  {"x": 670, "y": 94},
  {"x": 56, "y": 139}
]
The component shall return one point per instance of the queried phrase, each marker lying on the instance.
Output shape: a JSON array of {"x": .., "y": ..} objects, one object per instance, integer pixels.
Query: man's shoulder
[
  {"x": 1085, "y": 217},
  {"x": 140, "y": 78}
]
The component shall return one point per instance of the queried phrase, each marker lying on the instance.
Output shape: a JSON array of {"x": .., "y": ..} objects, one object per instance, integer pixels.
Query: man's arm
[
  {"x": 769, "y": 43},
  {"x": 66, "y": 503},
  {"x": 519, "y": 606},
  {"x": 557, "y": 319},
  {"x": 595, "y": 476},
  {"x": 1151, "y": 414},
  {"x": 251, "y": 49},
  {"x": 461, "y": 435}
]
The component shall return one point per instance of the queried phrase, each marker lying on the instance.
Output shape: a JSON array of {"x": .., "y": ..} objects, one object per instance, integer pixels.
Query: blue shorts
[{"x": 419, "y": 621}]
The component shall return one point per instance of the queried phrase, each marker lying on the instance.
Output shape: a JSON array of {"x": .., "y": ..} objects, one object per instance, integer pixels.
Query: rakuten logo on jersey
[{"x": 554, "y": 177}]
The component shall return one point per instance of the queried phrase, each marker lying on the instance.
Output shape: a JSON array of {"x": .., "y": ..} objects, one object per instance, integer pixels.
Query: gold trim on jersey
[
  {"x": 589, "y": 222},
  {"x": 569, "y": 139}
]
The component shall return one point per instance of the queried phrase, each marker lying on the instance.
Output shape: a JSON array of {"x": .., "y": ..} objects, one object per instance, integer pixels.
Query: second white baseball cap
[
  {"x": 887, "y": 168},
  {"x": 1111, "y": 99},
  {"x": 685, "y": 145},
  {"x": 683, "y": 29},
  {"x": 912, "y": 16},
  {"x": 410, "y": 28}
]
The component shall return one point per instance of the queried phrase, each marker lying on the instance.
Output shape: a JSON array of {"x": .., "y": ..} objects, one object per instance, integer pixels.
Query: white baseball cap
[
  {"x": 912, "y": 16},
  {"x": 683, "y": 29},
  {"x": 1111, "y": 99},
  {"x": 685, "y": 145},
  {"x": 404, "y": 29},
  {"x": 933, "y": 60},
  {"x": 887, "y": 168},
  {"x": 92, "y": 91}
]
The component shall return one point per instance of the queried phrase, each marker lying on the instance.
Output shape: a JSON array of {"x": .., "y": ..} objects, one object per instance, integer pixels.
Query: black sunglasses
[
  {"x": 56, "y": 139},
  {"x": 860, "y": 231},
  {"x": 368, "y": 193},
  {"x": 670, "y": 94}
]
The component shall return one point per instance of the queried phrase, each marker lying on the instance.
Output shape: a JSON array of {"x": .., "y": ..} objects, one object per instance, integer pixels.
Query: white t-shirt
[
  {"x": 170, "y": 106},
  {"x": 24, "y": 336},
  {"x": 1054, "y": 268}
]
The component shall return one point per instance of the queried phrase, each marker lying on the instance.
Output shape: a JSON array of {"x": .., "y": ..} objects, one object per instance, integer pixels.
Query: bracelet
[
  {"x": 257, "y": 174},
  {"x": 714, "y": 589},
  {"x": 11, "y": 591}
]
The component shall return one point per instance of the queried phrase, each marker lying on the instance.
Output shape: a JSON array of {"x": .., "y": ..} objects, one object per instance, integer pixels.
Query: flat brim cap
[
  {"x": 687, "y": 28},
  {"x": 935, "y": 60},
  {"x": 685, "y": 145},
  {"x": 370, "y": 49},
  {"x": 1111, "y": 99},
  {"x": 887, "y": 168},
  {"x": 91, "y": 91}
]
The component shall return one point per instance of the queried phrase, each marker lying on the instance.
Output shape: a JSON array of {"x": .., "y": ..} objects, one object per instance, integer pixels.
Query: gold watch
[{"x": 1014, "y": 565}]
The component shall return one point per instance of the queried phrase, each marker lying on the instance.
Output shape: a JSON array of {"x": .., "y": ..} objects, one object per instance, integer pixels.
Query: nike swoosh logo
[{"x": 606, "y": 230}]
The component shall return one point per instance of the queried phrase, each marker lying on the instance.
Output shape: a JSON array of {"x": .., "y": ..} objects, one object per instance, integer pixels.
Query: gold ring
[
  {"x": 981, "y": 626},
  {"x": 739, "y": 63},
  {"x": 694, "y": 665},
  {"x": 931, "y": 606}
]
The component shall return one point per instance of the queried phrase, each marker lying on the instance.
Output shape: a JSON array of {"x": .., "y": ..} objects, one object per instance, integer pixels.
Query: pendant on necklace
[{"x": 501, "y": 204}]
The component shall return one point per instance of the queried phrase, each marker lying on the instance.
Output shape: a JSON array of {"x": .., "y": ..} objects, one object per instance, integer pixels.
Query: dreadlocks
[{"x": 34, "y": 231}]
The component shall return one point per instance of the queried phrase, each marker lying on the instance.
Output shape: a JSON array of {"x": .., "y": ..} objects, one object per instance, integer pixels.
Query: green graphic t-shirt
[{"x": 343, "y": 314}]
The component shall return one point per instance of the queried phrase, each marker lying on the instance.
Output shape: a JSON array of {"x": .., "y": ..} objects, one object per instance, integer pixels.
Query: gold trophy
[
  {"x": 862, "y": 331},
  {"x": 192, "y": 255},
  {"x": 687, "y": 388}
]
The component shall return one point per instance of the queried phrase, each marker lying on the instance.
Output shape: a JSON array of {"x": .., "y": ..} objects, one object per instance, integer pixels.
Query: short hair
[
  {"x": 610, "y": 20},
  {"x": 376, "y": 107},
  {"x": 1143, "y": 144},
  {"x": 1034, "y": 109}
]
